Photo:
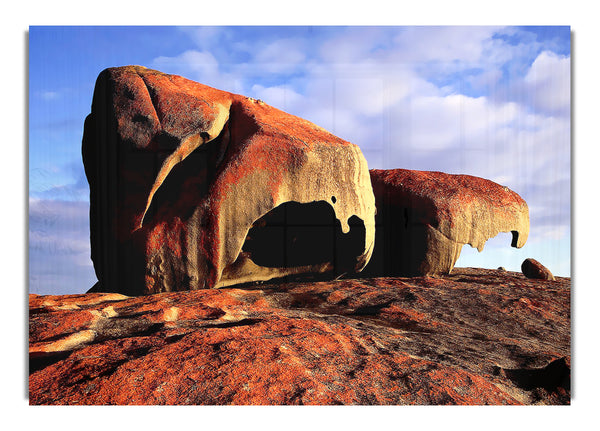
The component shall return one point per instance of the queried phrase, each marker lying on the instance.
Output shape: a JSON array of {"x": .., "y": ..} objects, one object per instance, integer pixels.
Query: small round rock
[{"x": 531, "y": 268}]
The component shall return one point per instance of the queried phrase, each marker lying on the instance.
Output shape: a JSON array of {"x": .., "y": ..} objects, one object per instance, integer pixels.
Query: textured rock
[
  {"x": 473, "y": 337},
  {"x": 533, "y": 269},
  {"x": 182, "y": 174},
  {"x": 424, "y": 219}
]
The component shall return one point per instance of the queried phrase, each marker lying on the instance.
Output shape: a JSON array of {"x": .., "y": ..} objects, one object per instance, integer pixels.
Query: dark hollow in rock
[{"x": 295, "y": 234}]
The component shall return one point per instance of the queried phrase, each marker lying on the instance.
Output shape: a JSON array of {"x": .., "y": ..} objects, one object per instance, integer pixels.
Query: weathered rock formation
[
  {"x": 424, "y": 219},
  {"x": 473, "y": 337},
  {"x": 531, "y": 268},
  {"x": 193, "y": 187}
]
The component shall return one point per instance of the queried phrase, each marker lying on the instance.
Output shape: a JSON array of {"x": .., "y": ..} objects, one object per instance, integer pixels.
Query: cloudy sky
[{"x": 487, "y": 101}]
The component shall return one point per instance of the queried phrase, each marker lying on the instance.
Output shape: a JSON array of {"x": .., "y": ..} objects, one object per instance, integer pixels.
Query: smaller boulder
[
  {"x": 425, "y": 218},
  {"x": 533, "y": 269}
]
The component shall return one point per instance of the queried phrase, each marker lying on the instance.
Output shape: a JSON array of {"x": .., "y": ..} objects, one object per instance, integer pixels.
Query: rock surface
[
  {"x": 531, "y": 268},
  {"x": 182, "y": 174},
  {"x": 424, "y": 219},
  {"x": 473, "y": 337}
]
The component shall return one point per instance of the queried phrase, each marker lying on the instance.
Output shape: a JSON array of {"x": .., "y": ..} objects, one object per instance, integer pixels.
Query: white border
[{"x": 19, "y": 16}]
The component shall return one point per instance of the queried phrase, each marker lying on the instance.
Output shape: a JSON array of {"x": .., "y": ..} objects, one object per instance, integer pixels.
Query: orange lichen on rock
[
  {"x": 424, "y": 219},
  {"x": 473, "y": 337},
  {"x": 179, "y": 173}
]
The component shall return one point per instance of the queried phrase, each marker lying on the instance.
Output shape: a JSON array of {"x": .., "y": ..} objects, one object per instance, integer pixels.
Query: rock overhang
[
  {"x": 424, "y": 218},
  {"x": 179, "y": 172}
]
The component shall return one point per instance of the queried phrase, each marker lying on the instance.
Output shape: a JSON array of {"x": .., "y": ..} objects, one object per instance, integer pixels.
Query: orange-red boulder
[
  {"x": 193, "y": 187},
  {"x": 473, "y": 337},
  {"x": 424, "y": 219},
  {"x": 531, "y": 268}
]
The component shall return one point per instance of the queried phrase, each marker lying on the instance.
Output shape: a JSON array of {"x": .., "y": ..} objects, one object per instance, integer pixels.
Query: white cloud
[
  {"x": 64, "y": 182},
  {"x": 200, "y": 63},
  {"x": 369, "y": 94},
  {"x": 281, "y": 56},
  {"x": 499, "y": 139},
  {"x": 485, "y": 80},
  {"x": 49, "y": 95},
  {"x": 283, "y": 97},
  {"x": 48, "y": 243},
  {"x": 205, "y": 37},
  {"x": 555, "y": 232},
  {"x": 59, "y": 247},
  {"x": 352, "y": 45},
  {"x": 547, "y": 83},
  {"x": 444, "y": 44},
  {"x": 200, "y": 66}
]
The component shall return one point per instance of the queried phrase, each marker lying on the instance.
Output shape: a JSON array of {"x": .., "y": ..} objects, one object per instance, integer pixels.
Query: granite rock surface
[
  {"x": 425, "y": 218},
  {"x": 193, "y": 187},
  {"x": 531, "y": 268},
  {"x": 473, "y": 337}
]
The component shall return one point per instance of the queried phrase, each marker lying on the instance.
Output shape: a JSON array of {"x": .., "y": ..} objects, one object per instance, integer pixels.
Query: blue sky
[{"x": 487, "y": 101}]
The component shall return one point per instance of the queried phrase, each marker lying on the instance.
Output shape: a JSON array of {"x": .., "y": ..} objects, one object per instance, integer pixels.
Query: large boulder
[
  {"x": 424, "y": 219},
  {"x": 193, "y": 187}
]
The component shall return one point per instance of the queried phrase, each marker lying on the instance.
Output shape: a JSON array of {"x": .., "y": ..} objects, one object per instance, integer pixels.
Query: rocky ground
[{"x": 474, "y": 337}]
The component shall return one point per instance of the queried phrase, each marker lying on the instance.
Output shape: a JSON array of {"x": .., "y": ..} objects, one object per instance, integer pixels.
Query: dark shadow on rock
[
  {"x": 296, "y": 234},
  {"x": 557, "y": 374},
  {"x": 400, "y": 245}
]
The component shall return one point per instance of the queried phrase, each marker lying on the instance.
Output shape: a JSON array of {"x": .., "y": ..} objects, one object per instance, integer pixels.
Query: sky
[{"x": 493, "y": 102}]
